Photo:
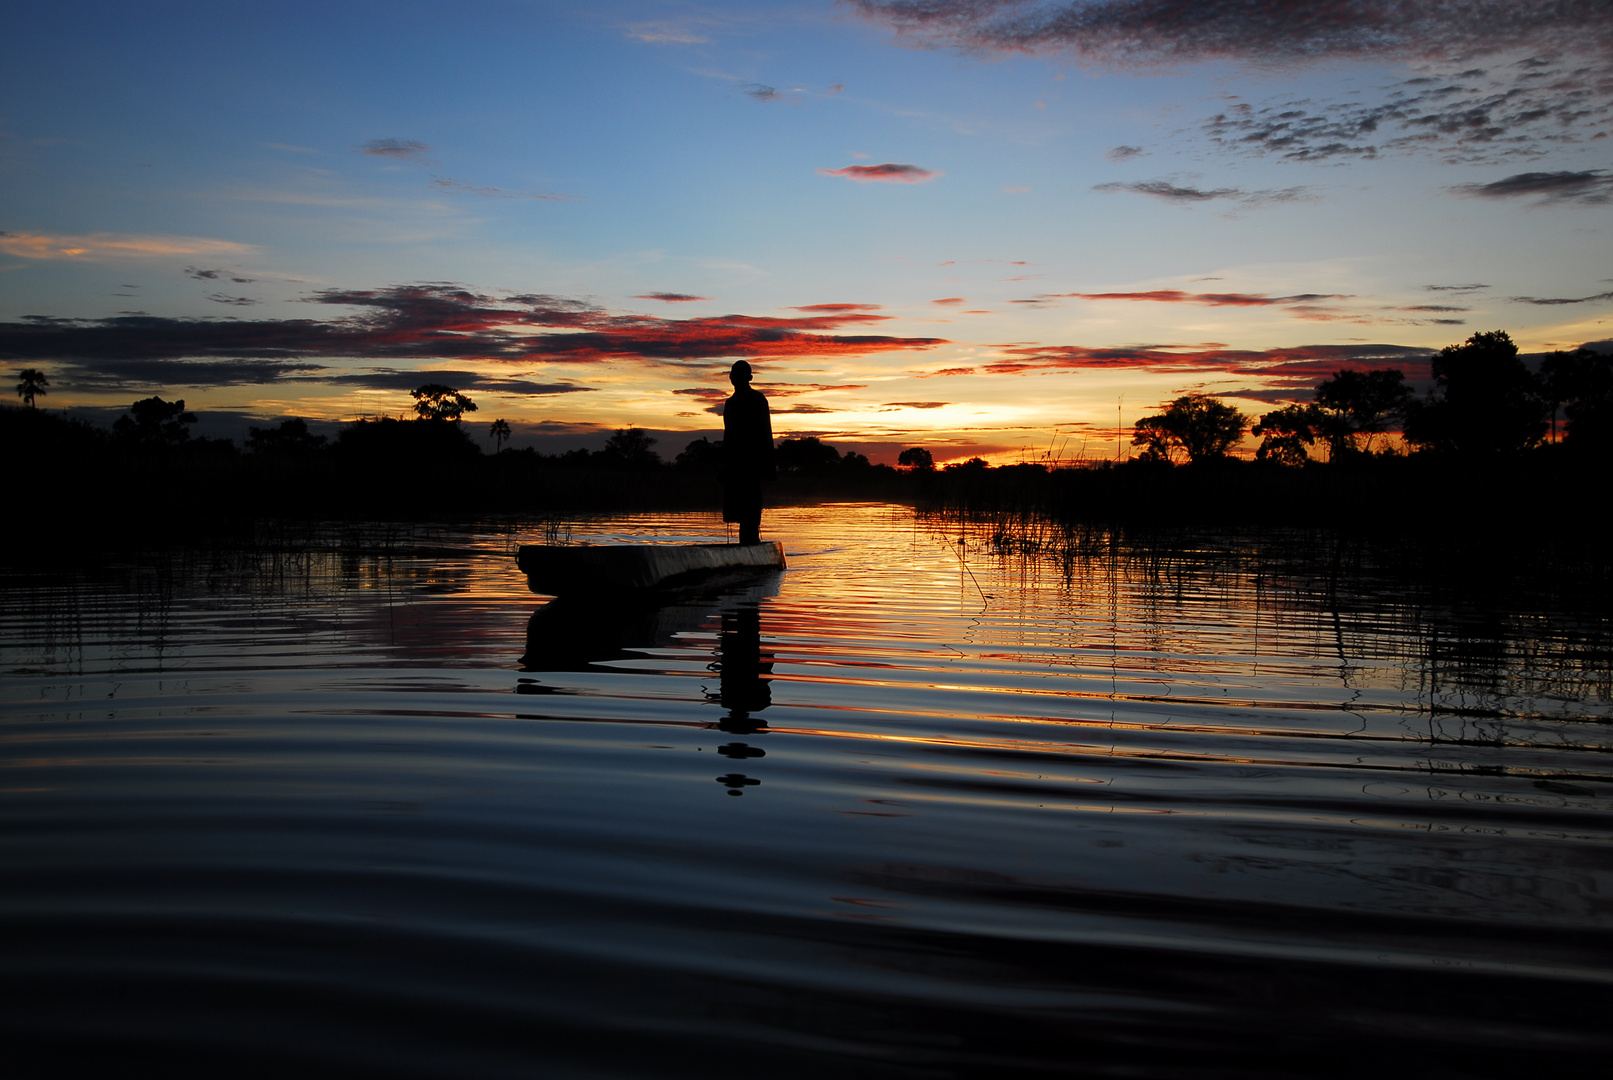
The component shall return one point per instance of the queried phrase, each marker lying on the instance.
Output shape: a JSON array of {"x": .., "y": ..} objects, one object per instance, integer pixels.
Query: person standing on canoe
[{"x": 747, "y": 442}]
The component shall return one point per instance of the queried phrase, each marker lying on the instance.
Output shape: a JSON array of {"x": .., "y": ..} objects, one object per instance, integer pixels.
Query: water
[{"x": 910, "y": 808}]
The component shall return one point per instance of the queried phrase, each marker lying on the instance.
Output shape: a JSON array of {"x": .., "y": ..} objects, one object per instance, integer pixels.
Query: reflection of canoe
[
  {"x": 576, "y": 632},
  {"x": 614, "y": 568}
]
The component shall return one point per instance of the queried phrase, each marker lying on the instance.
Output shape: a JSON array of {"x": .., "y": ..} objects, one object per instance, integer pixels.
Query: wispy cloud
[
  {"x": 410, "y": 150},
  {"x": 667, "y": 33},
  {"x": 443, "y": 322},
  {"x": 233, "y": 301},
  {"x": 915, "y": 404},
  {"x": 951, "y": 301},
  {"x": 1186, "y": 196},
  {"x": 96, "y": 247},
  {"x": 1555, "y": 301},
  {"x": 1475, "y": 287},
  {"x": 459, "y": 187},
  {"x": 836, "y": 309},
  {"x": 1591, "y": 186},
  {"x": 1295, "y": 366},
  {"x": 1546, "y": 75},
  {"x": 760, "y": 92},
  {"x": 1124, "y": 153},
  {"x": 671, "y": 297},
  {"x": 1176, "y": 296},
  {"x": 217, "y": 275},
  {"x": 888, "y": 173}
]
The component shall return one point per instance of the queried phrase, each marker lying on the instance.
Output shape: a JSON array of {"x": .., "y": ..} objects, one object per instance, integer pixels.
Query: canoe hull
[{"x": 643, "y": 568}]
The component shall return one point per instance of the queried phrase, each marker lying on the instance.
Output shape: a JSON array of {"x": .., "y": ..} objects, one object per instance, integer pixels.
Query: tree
[
  {"x": 500, "y": 432},
  {"x": 1288, "y": 434},
  {"x": 806, "y": 454},
  {"x": 916, "y": 458},
  {"x": 435, "y": 401},
  {"x": 154, "y": 423},
  {"x": 1580, "y": 383},
  {"x": 701, "y": 455},
  {"x": 291, "y": 437},
  {"x": 1361, "y": 403},
  {"x": 1201, "y": 426},
  {"x": 1485, "y": 401},
  {"x": 31, "y": 383},
  {"x": 631, "y": 447}
]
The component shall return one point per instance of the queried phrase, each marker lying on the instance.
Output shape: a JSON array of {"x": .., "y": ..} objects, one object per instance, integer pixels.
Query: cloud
[
  {"x": 1434, "y": 307},
  {"x": 1164, "y": 189},
  {"x": 1135, "y": 32},
  {"x": 409, "y": 150},
  {"x": 761, "y": 92},
  {"x": 888, "y": 172},
  {"x": 100, "y": 246},
  {"x": 236, "y": 301},
  {"x": 459, "y": 187},
  {"x": 436, "y": 322},
  {"x": 951, "y": 300},
  {"x": 1176, "y": 296},
  {"x": 1124, "y": 153},
  {"x": 1295, "y": 366},
  {"x": 834, "y": 309},
  {"x": 945, "y": 373},
  {"x": 1546, "y": 73},
  {"x": 671, "y": 297},
  {"x": 1554, "y": 301},
  {"x": 1455, "y": 288},
  {"x": 1592, "y": 187},
  {"x": 915, "y": 404},
  {"x": 666, "y": 33},
  {"x": 217, "y": 275}
]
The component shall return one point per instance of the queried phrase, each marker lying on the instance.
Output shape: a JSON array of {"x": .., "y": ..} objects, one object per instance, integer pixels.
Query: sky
[{"x": 1005, "y": 228}]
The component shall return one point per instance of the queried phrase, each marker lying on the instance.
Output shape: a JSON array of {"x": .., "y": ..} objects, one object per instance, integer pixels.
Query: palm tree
[
  {"x": 500, "y": 431},
  {"x": 31, "y": 383}
]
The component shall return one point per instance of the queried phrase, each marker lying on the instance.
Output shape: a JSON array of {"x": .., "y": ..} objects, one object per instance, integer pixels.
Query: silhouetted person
[
  {"x": 747, "y": 454},
  {"x": 744, "y": 669}
]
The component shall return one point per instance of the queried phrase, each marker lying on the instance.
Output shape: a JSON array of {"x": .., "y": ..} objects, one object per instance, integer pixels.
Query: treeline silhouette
[{"x": 1494, "y": 444}]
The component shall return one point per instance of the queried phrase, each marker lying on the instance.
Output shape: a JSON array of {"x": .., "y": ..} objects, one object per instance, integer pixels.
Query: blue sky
[{"x": 283, "y": 209}]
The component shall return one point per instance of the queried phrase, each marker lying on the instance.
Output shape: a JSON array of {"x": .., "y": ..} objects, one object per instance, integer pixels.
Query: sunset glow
[{"x": 1005, "y": 230}]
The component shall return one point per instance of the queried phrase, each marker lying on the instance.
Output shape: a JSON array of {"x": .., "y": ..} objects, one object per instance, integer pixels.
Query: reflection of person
[{"x": 747, "y": 442}]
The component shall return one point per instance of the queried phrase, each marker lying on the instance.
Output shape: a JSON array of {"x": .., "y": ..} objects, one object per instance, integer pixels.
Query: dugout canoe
[{"x": 565, "y": 570}]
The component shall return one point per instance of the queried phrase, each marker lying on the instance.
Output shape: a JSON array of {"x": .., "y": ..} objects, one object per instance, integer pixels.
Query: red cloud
[
  {"x": 442, "y": 322},
  {"x": 951, "y": 300},
  {"x": 888, "y": 172},
  {"x": 831, "y": 309},
  {"x": 1302, "y": 362}
]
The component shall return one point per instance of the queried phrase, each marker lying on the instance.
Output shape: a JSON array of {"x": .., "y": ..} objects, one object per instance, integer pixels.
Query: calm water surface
[{"x": 910, "y": 808}]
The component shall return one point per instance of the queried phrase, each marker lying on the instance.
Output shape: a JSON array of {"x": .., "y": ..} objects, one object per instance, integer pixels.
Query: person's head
[{"x": 739, "y": 374}]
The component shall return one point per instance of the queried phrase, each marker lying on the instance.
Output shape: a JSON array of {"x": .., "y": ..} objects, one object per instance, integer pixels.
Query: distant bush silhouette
[
  {"x": 1360, "y": 403},
  {"x": 917, "y": 458},
  {"x": 702, "y": 456},
  {"x": 807, "y": 454},
  {"x": 407, "y": 443},
  {"x": 435, "y": 401},
  {"x": 1202, "y": 427},
  {"x": 31, "y": 383},
  {"x": 1289, "y": 433},
  {"x": 630, "y": 447},
  {"x": 1485, "y": 402},
  {"x": 291, "y": 437},
  {"x": 154, "y": 424}
]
